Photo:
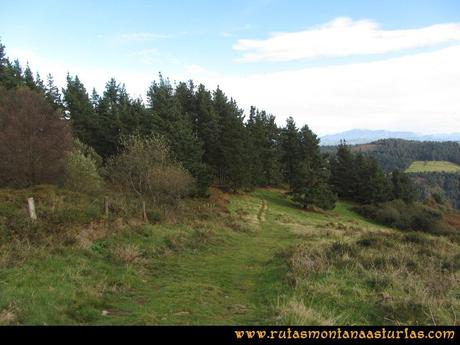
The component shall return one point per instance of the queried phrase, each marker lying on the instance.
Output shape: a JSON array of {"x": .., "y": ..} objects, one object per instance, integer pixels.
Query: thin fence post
[
  {"x": 144, "y": 212},
  {"x": 31, "y": 204},
  {"x": 106, "y": 207}
]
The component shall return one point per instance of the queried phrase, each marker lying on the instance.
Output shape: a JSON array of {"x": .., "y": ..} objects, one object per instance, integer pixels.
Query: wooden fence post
[
  {"x": 106, "y": 207},
  {"x": 144, "y": 212},
  {"x": 32, "y": 213}
]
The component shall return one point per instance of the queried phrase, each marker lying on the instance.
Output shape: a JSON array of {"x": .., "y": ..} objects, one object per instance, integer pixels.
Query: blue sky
[{"x": 335, "y": 65}]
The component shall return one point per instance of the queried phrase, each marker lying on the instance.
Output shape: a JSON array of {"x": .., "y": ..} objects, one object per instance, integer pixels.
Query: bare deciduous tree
[{"x": 33, "y": 139}]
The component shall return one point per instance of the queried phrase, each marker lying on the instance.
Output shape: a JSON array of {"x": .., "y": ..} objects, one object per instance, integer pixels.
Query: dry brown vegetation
[
  {"x": 403, "y": 278},
  {"x": 453, "y": 220},
  {"x": 33, "y": 139},
  {"x": 127, "y": 254},
  {"x": 69, "y": 219}
]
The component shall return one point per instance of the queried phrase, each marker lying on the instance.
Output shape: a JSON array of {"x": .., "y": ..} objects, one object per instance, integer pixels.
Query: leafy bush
[
  {"x": 426, "y": 218},
  {"x": 145, "y": 168},
  {"x": 81, "y": 173},
  {"x": 321, "y": 196},
  {"x": 89, "y": 152},
  {"x": 389, "y": 215},
  {"x": 404, "y": 216}
]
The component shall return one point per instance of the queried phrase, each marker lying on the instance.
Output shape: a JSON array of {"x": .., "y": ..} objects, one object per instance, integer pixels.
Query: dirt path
[
  {"x": 262, "y": 211},
  {"x": 236, "y": 281}
]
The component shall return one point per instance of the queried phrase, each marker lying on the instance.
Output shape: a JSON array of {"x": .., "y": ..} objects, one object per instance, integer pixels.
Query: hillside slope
[
  {"x": 435, "y": 164},
  {"x": 399, "y": 154},
  {"x": 256, "y": 260}
]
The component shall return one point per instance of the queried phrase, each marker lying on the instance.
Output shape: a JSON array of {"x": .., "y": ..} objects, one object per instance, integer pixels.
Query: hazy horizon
[{"x": 393, "y": 131}]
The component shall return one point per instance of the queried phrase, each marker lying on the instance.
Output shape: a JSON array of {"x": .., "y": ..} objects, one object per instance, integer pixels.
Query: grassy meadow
[
  {"x": 433, "y": 166},
  {"x": 251, "y": 258}
]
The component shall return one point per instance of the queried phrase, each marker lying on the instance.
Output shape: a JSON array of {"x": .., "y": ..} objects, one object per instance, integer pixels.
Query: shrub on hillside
[
  {"x": 81, "y": 173},
  {"x": 145, "y": 168},
  {"x": 426, "y": 218},
  {"x": 89, "y": 152},
  {"x": 320, "y": 195},
  {"x": 402, "y": 215},
  {"x": 389, "y": 215}
]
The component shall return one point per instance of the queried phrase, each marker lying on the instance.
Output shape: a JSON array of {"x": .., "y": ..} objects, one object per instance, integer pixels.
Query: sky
[{"x": 334, "y": 65}]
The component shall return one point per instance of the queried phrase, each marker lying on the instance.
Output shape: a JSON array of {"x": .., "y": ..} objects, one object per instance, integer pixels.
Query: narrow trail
[
  {"x": 234, "y": 281},
  {"x": 262, "y": 211}
]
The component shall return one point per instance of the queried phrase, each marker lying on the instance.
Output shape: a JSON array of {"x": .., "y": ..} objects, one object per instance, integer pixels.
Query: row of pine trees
[{"x": 211, "y": 136}]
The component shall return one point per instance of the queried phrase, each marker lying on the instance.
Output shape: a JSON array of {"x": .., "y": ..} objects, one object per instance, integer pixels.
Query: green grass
[
  {"x": 378, "y": 278},
  {"x": 252, "y": 264},
  {"x": 212, "y": 272},
  {"x": 433, "y": 166}
]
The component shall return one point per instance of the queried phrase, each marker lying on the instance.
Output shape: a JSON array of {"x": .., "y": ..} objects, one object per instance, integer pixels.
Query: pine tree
[
  {"x": 184, "y": 94},
  {"x": 170, "y": 111},
  {"x": 371, "y": 184},
  {"x": 118, "y": 116},
  {"x": 139, "y": 120},
  {"x": 311, "y": 182},
  {"x": 403, "y": 188},
  {"x": 52, "y": 92},
  {"x": 4, "y": 65},
  {"x": 81, "y": 113},
  {"x": 3, "y": 58},
  {"x": 233, "y": 139},
  {"x": 127, "y": 113},
  {"x": 29, "y": 78},
  {"x": 207, "y": 128},
  {"x": 109, "y": 128},
  {"x": 256, "y": 143},
  {"x": 40, "y": 85},
  {"x": 189, "y": 122},
  {"x": 95, "y": 98},
  {"x": 343, "y": 174},
  {"x": 271, "y": 157},
  {"x": 9, "y": 77},
  {"x": 264, "y": 138},
  {"x": 17, "y": 72},
  {"x": 359, "y": 178},
  {"x": 291, "y": 153}
]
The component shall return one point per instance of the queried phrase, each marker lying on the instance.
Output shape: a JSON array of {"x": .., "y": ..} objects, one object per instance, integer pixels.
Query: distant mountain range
[{"x": 364, "y": 136}]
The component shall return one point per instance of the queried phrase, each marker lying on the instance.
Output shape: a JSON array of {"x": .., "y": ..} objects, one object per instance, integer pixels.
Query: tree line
[
  {"x": 442, "y": 187},
  {"x": 399, "y": 154},
  {"x": 205, "y": 131}
]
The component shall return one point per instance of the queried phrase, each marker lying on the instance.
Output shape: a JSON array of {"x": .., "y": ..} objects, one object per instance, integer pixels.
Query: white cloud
[
  {"x": 344, "y": 37},
  {"x": 417, "y": 93}
]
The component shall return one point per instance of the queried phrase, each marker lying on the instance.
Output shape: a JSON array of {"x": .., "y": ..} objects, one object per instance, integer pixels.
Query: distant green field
[{"x": 433, "y": 166}]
